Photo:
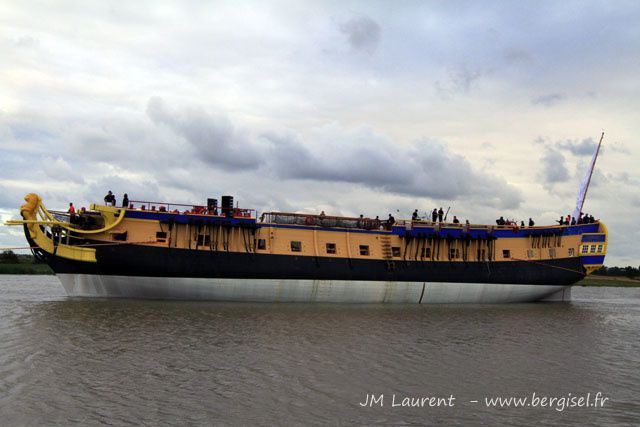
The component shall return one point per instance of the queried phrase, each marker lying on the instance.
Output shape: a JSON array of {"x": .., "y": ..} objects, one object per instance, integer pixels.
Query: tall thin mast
[{"x": 586, "y": 180}]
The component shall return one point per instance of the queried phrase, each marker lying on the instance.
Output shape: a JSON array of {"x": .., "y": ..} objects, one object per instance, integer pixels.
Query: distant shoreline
[
  {"x": 31, "y": 268},
  {"x": 610, "y": 281},
  {"x": 25, "y": 268}
]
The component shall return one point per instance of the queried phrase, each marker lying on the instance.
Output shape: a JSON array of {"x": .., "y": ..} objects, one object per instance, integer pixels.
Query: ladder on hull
[{"x": 387, "y": 253}]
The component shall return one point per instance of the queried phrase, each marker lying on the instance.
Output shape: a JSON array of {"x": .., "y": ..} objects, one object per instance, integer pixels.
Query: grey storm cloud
[
  {"x": 425, "y": 168},
  {"x": 549, "y": 99},
  {"x": 554, "y": 168},
  {"x": 216, "y": 140},
  {"x": 350, "y": 162},
  {"x": 440, "y": 173},
  {"x": 586, "y": 147},
  {"x": 331, "y": 153},
  {"x": 363, "y": 34}
]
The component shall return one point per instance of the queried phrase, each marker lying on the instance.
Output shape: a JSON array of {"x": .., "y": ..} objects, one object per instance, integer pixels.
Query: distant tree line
[
  {"x": 12, "y": 263},
  {"x": 9, "y": 257},
  {"x": 627, "y": 271}
]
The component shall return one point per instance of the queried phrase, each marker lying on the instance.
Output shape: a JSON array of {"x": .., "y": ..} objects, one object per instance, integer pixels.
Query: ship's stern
[{"x": 593, "y": 248}]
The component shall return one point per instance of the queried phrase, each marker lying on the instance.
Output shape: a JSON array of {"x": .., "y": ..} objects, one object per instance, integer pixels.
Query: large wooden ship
[{"x": 157, "y": 250}]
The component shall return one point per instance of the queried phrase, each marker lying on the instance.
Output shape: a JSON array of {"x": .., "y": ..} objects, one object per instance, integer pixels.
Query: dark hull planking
[{"x": 148, "y": 261}]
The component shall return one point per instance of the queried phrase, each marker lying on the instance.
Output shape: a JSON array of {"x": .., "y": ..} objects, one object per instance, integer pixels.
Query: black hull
[{"x": 144, "y": 261}]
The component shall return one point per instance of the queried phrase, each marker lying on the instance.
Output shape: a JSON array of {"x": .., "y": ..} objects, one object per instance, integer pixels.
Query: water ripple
[{"x": 118, "y": 362}]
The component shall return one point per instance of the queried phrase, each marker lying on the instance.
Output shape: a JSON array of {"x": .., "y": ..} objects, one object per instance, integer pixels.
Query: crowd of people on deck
[
  {"x": 436, "y": 216},
  {"x": 439, "y": 216},
  {"x": 508, "y": 222},
  {"x": 569, "y": 220},
  {"x": 582, "y": 219}
]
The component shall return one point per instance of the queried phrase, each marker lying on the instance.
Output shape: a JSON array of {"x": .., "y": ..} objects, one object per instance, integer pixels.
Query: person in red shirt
[{"x": 72, "y": 213}]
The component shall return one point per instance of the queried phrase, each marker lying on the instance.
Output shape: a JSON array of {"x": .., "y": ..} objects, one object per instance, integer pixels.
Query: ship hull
[
  {"x": 165, "y": 273},
  {"x": 294, "y": 290},
  {"x": 146, "y": 261}
]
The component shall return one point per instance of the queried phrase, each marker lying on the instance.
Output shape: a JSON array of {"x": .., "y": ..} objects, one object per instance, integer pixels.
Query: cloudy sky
[{"x": 493, "y": 108}]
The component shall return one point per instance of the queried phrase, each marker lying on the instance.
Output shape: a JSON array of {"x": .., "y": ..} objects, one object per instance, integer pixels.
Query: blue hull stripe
[
  {"x": 457, "y": 232},
  {"x": 424, "y": 232},
  {"x": 592, "y": 259},
  {"x": 593, "y": 238}
]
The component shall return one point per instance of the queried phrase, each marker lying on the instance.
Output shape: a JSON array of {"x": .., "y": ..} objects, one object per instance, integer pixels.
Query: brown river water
[{"x": 83, "y": 362}]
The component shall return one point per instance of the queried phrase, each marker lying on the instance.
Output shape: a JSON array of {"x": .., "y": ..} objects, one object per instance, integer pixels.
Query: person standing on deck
[
  {"x": 434, "y": 215},
  {"x": 110, "y": 199},
  {"x": 125, "y": 201},
  {"x": 440, "y": 215},
  {"x": 72, "y": 213}
]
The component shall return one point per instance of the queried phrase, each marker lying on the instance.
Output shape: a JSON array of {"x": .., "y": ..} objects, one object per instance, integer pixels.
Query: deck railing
[{"x": 181, "y": 208}]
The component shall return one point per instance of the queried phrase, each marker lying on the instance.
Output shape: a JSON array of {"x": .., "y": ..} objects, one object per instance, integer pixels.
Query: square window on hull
[
  {"x": 203, "y": 240},
  {"x": 120, "y": 237},
  {"x": 296, "y": 246}
]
